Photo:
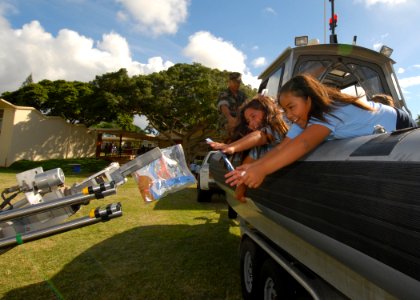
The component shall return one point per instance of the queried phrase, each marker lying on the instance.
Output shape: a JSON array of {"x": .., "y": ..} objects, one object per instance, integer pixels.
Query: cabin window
[
  {"x": 273, "y": 84},
  {"x": 397, "y": 88},
  {"x": 1, "y": 118},
  {"x": 349, "y": 76},
  {"x": 314, "y": 67},
  {"x": 368, "y": 79},
  {"x": 263, "y": 86}
]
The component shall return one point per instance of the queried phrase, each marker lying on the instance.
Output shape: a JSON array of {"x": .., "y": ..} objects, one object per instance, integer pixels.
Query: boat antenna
[
  {"x": 325, "y": 21},
  {"x": 333, "y": 24}
]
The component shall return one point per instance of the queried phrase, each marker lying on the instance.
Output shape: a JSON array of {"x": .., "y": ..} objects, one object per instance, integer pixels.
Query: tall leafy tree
[
  {"x": 54, "y": 98},
  {"x": 65, "y": 99},
  {"x": 33, "y": 94},
  {"x": 117, "y": 98},
  {"x": 182, "y": 103},
  {"x": 28, "y": 80}
]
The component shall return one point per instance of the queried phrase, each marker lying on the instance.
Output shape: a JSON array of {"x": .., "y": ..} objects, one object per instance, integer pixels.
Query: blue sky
[{"x": 78, "y": 39}]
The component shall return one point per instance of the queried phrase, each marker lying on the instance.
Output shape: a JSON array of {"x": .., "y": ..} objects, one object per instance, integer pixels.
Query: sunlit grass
[{"x": 175, "y": 248}]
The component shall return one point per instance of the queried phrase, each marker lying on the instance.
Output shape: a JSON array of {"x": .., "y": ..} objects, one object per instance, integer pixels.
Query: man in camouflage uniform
[{"x": 228, "y": 104}]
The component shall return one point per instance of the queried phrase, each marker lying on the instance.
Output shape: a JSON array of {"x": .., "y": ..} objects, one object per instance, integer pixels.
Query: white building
[{"x": 25, "y": 133}]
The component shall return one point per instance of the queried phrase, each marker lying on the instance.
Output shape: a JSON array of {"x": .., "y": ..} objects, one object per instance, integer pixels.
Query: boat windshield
[
  {"x": 270, "y": 86},
  {"x": 350, "y": 76}
]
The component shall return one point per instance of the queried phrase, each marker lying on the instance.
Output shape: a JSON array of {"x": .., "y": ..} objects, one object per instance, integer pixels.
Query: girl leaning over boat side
[
  {"x": 261, "y": 119},
  {"x": 318, "y": 113}
]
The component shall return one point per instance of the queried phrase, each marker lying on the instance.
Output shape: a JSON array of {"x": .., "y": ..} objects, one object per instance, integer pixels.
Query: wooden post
[{"x": 98, "y": 145}]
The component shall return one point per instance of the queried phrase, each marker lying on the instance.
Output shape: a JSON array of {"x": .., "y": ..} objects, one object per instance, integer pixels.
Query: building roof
[
  {"x": 124, "y": 133},
  {"x": 7, "y": 104}
]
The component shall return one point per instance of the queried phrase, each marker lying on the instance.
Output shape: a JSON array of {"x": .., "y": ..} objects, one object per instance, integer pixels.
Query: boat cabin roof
[{"x": 352, "y": 69}]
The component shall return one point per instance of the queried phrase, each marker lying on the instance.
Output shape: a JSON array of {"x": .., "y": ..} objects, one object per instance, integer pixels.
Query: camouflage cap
[{"x": 235, "y": 76}]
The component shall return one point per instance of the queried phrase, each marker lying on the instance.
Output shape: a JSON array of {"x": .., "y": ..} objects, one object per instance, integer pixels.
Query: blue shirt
[{"x": 349, "y": 121}]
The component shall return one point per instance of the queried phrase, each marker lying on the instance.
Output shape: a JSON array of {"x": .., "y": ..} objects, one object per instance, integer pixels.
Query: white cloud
[
  {"x": 377, "y": 46},
  {"x": 6, "y": 6},
  {"x": 401, "y": 70},
  {"x": 68, "y": 56},
  {"x": 213, "y": 52},
  {"x": 158, "y": 16},
  {"x": 409, "y": 81},
  {"x": 259, "y": 62},
  {"x": 386, "y": 2},
  {"x": 251, "y": 80},
  {"x": 154, "y": 64},
  {"x": 122, "y": 16},
  {"x": 270, "y": 11}
]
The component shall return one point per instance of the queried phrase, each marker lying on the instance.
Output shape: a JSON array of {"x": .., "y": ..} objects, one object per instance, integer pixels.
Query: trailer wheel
[
  {"x": 272, "y": 281},
  {"x": 249, "y": 269}
]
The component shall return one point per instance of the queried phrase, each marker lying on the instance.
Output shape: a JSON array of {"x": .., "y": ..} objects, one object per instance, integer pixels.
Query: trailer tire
[
  {"x": 273, "y": 281},
  {"x": 249, "y": 258}
]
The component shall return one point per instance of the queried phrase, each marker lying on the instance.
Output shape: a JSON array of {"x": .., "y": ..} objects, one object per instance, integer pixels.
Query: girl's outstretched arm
[
  {"x": 282, "y": 155},
  {"x": 253, "y": 139},
  {"x": 217, "y": 146}
]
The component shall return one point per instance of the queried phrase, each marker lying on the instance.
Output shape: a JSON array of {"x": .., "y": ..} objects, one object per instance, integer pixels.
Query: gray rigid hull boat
[{"x": 349, "y": 212}]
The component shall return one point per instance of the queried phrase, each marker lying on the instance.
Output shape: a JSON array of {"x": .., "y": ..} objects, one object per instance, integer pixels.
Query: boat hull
[{"x": 357, "y": 200}]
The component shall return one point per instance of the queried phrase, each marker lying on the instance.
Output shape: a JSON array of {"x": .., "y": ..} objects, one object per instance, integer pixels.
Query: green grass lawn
[{"x": 174, "y": 248}]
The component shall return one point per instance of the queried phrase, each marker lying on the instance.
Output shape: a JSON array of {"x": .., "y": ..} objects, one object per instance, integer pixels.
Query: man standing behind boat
[{"x": 228, "y": 104}]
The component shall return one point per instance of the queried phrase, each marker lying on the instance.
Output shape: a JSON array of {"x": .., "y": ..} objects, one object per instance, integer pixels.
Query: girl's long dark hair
[
  {"x": 325, "y": 99},
  {"x": 273, "y": 114}
]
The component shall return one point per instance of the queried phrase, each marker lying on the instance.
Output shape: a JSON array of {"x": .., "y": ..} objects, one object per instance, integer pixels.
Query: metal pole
[
  {"x": 52, "y": 230},
  {"x": 332, "y": 17},
  {"x": 333, "y": 37},
  {"x": 140, "y": 161},
  {"x": 61, "y": 202},
  {"x": 325, "y": 21}
]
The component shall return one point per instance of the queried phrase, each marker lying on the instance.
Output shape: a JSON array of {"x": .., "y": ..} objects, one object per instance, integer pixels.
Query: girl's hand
[
  {"x": 234, "y": 177},
  {"x": 217, "y": 146},
  {"x": 253, "y": 176},
  {"x": 249, "y": 174},
  {"x": 228, "y": 149},
  {"x": 225, "y": 148}
]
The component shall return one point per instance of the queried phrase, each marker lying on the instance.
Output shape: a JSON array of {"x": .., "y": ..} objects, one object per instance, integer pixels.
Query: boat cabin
[{"x": 352, "y": 69}]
